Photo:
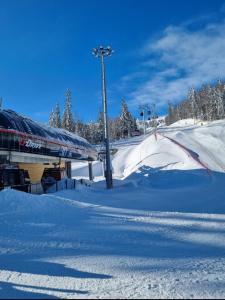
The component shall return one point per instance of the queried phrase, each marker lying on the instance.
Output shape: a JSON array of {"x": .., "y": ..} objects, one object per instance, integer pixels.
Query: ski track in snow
[{"x": 160, "y": 233}]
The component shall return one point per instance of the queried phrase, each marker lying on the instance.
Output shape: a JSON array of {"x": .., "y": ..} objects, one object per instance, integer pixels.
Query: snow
[
  {"x": 185, "y": 122},
  {"x": 160, "y": 233},
  {"x": 208, "y": 141}
]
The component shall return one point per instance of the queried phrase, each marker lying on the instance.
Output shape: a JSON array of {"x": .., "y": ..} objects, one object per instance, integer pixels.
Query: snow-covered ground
[{"x": 160, "y": 233}]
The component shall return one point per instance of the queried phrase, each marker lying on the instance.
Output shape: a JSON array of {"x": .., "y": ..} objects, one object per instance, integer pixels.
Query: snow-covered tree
[
  {"x": 219, "y": 95},
  {"x": 79, "y": 128},
  {"x": 89, "y": 132},
  {"x": 127, "y": 122},
  {"x": 211, "y": 106},
  {"x": 192, "y": 98},
  {"x": 51, "y": 121},
  {"x": 58, "y": 121},
  {"x": 115, "y": 129},
  {"x": 54, "y": 118},
  {"x": 171, "y": 118},
  {"x": 207, "y": 104},
  {"x": 67, "y": 119}
]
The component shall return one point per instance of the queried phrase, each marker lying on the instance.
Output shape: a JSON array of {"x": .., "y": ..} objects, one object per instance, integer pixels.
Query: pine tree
[
  {"x": 211, "y": 103},
  {"x": 126, "y": 120},
  {"x": 57, "y": 116},
  {"x": 192, "y": 99},
  {"x": 67, "y": 119},
  {"x": 171, "y": 114},
  {"x": 52, "y": 119},
  {"x": 79, "y": 127},
  {"x": 219, "y": 95},
  {"x": 89, "y": 132}
]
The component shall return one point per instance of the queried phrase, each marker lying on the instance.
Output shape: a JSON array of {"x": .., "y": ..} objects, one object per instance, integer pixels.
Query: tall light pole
[{"x": 102, "y": 52}]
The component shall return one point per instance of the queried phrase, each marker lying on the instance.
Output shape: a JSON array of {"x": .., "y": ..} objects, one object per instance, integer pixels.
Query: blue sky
[{"x": 162, "y": 48}]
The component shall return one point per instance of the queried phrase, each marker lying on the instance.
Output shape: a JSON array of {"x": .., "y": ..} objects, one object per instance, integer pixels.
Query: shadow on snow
[{"x": 131, "y": 220}]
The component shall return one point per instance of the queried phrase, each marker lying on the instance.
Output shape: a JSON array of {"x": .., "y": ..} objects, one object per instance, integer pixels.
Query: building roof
[{"x": 18, "y": 124}]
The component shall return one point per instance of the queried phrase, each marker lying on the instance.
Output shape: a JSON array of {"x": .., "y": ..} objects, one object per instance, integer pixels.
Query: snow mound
[
  {"x": 184, "y": 122},
  {"x": 208, "y": 141},
  {"x": 12, "y": 200},
  {"x": 42, "y": 207},
  {"x": 183, "y": 147},
  {"x": 154, "y": 152},
  {"x": 159, "y": 179}
]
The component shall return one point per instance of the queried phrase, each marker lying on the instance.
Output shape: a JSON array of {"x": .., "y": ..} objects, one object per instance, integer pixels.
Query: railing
[
  {"x": 66, "y": 184},
  {"x": 38, "y": 188}
]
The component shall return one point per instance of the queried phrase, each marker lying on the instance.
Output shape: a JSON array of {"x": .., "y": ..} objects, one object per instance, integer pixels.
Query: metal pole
[
  {"x": 144, "y": 122},
  {"x": 68, "y": 169},
  {"x": 108, "y": 171},
  {"x": 90, "y": 171}
]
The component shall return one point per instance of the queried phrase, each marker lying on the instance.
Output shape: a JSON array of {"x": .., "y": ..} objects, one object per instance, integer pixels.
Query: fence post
[{"x": 74, "y": 183}]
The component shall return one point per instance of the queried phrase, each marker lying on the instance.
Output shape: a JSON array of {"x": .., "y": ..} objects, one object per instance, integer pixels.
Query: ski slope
[{"x": 160, "y": 233}]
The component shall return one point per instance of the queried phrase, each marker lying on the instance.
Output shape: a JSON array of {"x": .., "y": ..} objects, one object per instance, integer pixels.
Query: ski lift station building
[{"x": 28, "y": 146}]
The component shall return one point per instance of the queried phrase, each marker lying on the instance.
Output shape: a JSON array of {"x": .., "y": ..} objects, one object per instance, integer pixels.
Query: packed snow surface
[{"x": 160, "y": 233}]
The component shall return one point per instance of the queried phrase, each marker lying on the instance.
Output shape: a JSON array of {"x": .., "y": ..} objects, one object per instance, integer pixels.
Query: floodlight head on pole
[{"x": 102, "y": 51}]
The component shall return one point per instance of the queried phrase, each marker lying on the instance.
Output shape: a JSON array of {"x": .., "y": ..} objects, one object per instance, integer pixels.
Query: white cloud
[{"x": 184, "y": 58}]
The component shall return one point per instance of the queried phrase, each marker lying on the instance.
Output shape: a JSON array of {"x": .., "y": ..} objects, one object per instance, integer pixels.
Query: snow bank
[
  {"x": 45, "y": 208},
  {"x": 184, "y": 122},
  {"x": 14, "y": 201}
]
